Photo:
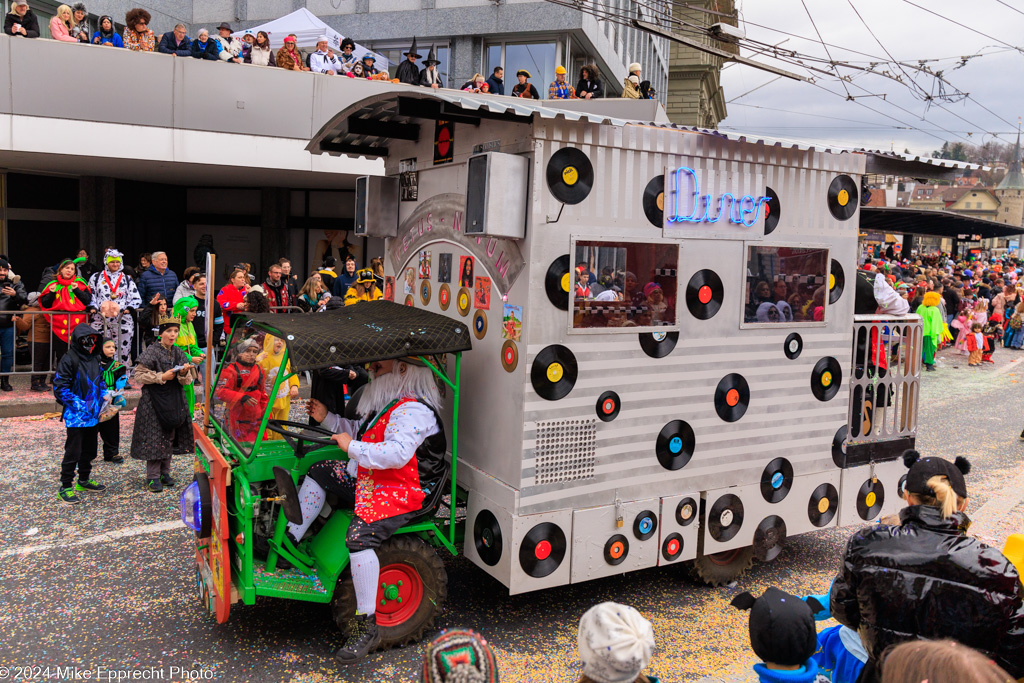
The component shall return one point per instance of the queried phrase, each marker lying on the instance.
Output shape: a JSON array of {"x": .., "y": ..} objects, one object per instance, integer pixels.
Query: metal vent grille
[{"x": 566, "y": 450}]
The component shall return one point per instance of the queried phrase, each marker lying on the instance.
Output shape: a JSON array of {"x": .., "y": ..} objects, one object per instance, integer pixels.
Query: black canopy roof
[
  {"x": 368, "y": 331},
  {"x": 909, "y": 220}
]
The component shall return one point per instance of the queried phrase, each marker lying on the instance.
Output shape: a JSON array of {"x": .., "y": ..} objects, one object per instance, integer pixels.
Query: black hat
[
  {"x": 431, "y": 58},
  {"x": 782, "y": 627},
  {"x": 330, "y": 262},
  {"x": 4, "y": 263},
  {"x": 412, "y": 50},
  {"x": 523, "y": 72},
  {"x": 923, "y": 469},
  {"x": 224, "y": 25}
]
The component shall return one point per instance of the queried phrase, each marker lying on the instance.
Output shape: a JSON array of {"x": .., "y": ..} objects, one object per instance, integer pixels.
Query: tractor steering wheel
[{"x": 299, "y": 441}]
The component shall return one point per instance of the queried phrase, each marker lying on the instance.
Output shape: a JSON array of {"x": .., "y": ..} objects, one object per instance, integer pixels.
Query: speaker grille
[{"x": 566, "y": 450}]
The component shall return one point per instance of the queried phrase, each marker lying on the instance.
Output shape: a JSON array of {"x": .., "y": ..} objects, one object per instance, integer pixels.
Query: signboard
[{"x": 705, "y": 203}]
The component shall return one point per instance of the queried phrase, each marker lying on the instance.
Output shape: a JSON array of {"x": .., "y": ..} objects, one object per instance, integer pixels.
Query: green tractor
[{"x": 250, "y": 453}]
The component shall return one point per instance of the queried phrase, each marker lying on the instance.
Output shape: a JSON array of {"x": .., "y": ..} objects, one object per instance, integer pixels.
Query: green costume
[
  {"x": 932, "y": 326},
  {"x": 187, "y": 341}
]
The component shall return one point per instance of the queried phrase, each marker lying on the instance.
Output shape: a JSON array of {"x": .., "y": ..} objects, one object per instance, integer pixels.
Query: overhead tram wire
[
  {"x": 973, "y": 30},
  {"x": 1009, "y": 6},
  {"x": 886, "y": 51}
]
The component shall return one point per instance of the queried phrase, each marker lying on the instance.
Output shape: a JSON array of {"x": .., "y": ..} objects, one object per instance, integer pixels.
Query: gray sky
[{"x": 909, "y": 34}]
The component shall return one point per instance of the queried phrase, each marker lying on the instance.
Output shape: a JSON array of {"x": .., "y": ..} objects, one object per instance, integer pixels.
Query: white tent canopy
[{"x": 307, "y": 28}]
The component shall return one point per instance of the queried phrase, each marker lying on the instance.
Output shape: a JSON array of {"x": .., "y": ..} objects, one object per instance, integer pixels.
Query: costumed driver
[{"x": 393, "y": 475}]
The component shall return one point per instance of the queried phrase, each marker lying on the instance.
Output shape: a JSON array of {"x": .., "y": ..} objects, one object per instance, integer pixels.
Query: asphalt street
[{"x": 109, "y": 583}]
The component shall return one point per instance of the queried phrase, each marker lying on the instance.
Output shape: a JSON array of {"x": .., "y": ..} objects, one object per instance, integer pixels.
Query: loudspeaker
[
  {"x": 376, "y": 206},
  {"x": 496, "y": 195}
]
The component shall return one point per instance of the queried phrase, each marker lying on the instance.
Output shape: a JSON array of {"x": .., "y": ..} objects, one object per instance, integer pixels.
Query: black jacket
[
  {"x": 408, "y": 73},
  {"x": 28, "y": 22},
  {"x": 169, "y": 45},
  {"x": 209, "y": 51},
  {"x": 495, "y": 86},
  {"x": 328, "y": 386},
  {"x": 11, "y": 303},
  {"x": 78, "y": 382},
  {"x": 952, "y": 300},
  {"x": 593, "y": 86},
  {"x": 926, "y": 579}
]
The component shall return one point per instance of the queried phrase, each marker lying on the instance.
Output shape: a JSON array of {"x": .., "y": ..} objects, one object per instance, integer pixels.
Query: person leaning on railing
[
  {"x": 12, "y": 297},
  {"x": 37, "y": 325},
  {"x": 62, "y": 25},
  {"x": 21, "y": 21},
  {"x": 137, "y": 34}
]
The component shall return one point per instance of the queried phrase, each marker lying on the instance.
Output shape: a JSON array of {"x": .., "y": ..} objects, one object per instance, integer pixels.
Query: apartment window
[
  {"x": 393, "y": 51},
  {"x": 537, "y": 58}
]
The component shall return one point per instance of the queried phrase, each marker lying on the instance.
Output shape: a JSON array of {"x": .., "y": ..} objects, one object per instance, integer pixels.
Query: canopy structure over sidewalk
[
  {"x": 307, "y": 28},
  {"x": 908, "y": 220}
]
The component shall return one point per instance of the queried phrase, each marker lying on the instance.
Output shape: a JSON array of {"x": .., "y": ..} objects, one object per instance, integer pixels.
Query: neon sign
[{"x": 689, "y": 206}]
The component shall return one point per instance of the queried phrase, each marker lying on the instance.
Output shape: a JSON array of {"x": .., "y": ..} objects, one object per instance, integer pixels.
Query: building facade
[
  {"x": 695, "y": 96},
  {"x": 1010, "y": 193}
]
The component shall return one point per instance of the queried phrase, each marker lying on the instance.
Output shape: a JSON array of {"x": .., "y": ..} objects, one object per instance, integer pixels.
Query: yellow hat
[{"x": 560, "y": 70}]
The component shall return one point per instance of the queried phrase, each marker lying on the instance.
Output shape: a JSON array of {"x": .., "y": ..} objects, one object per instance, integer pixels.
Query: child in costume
[
  {"x": 66, "y": 292},
  {"x": 840, "y": 655},
  {"x": 270, "y": 361},
  {"x": 185, "y": 310},
  {"x": 932, "y": 325},
  {"x": 615, "y": 644},
  {"x": 993, "y": 330},
  {"x": 241, "y": 388},
  {"x": 163, "y": 426},
  {"x": 977, "y": 345},
  {"x": 115, "y": 378},
  {"x": 78, "y": 387},
  {"x": 782, "y": 634},
  {"x": 114, "y": 294}
]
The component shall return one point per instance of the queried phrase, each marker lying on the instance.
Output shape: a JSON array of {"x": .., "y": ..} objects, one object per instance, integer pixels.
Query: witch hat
[
  {"x": 412, "y": 50},
  {"x": 431, "y": 57}
]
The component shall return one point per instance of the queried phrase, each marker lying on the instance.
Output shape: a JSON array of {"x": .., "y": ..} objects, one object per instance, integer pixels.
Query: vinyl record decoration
[
  {"x": 836, "y": 282},
  {"x": 901, "y": 487},
  {"x": 686, "y": 512},
  {"x": 645, "y": 524},
  {"x": 776, "y": 480},
  {"x": 772, "y": 211},
  {"x": 558, "y": 282},
  {"x": 823, "y": 505},
  {"x": 793, "y": 346},
  {"x": 839, "y": 447},
  {"x": 725, "y": 518},
  {"x": 479, "y": 324},
  {"x": 487, "y": 537},
  {"x": 826, "y": 378},
  {"x": 769, "y": 536},
  {"x": 704, "y": 294},
  {"x": 444, "y": 296},
  {"x": 410, "y": 300},
  {"x": 542, "y": 550},
  {"x": 654, "y": 201},
  {"x": 463, "y": 301},
  {"x": 570, "y": 175},
  {"x": 425, "y": 292},
  {"x": 616, "y": 549},
  {"x": 608, "y": 405},
  {"x": 732, "y": 396},
  {"x": 675, "y": 444},
  {"x": 672, "y": 548},
  {"x": 869, "y": 499},
  {"x": 842, "y": 197},
  {"x": 658, "y": 344},
  {"x": 509, "y": 356},
  {"x": 554, "y": 372}
]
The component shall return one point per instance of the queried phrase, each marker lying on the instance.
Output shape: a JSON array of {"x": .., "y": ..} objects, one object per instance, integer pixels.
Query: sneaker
[
  {"x": 154, "y": 485},
  {"x": 89, "y": 485},
  {"x": 363, "y": 639},
  {"x": 67, "y": 495},
  {"x": 168, "y": 480},
  {"x": 116, "y": 459},
  {"x": 930, "y": 368}
]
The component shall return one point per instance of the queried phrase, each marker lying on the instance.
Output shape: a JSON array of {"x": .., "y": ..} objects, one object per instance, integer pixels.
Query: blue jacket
[
  {"x": 169, "y": 45},
  {"x": 115, "y": 39},
  {"x": 808, "y": 673},
  {"x": 78, "y": 384},
  {"x": 495, "y": 86},
  {"x": 211, "y": 50},
  {"x": 151, "y": 282}
]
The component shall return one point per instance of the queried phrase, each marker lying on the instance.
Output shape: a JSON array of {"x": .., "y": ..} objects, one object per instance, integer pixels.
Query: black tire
[
  {"x": 722, "y": 568},
  {"x": 414, "y": 553}
]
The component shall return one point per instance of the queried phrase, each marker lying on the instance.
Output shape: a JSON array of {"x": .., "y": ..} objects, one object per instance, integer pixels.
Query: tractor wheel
[
  {"x": 721, "y": 568},
  {"x": 411, "y": 591}
]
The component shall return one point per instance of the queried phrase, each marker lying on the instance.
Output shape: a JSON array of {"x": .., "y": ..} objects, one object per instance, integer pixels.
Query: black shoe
[
  {"x": 154, "y": 485},
  {"x": 930, "y": 368},
  {"x": 5, "y": 384},
  {"x": 363, "y": 639},
  {"x": 168, "y": 480},
  {"x": 39, "y": 385},
  {"x": 116, "y": 459}
]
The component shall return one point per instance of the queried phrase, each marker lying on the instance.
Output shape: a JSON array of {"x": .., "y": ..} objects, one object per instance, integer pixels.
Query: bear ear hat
[
  {"x": 910, "y": 457},
  {"x": 814, "y": 604},
  {"x": 743, "y": 601},
  {"x": 962, "y": 464}
]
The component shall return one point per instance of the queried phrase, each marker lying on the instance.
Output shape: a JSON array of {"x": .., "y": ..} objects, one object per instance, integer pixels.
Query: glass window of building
[
  {"x": 393, "y": 51},
  {"x": 537, "y": 58}
]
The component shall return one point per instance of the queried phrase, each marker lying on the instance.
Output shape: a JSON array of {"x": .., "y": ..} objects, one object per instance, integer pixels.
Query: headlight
[{"x": 192, "y": 507}]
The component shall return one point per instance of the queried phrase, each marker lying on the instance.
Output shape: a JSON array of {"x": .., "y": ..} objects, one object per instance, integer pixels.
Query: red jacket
[
  {"x": 237, "y": 382},
  {"x": 229, "y": 297},
  {"x": 277, "y": 296}
]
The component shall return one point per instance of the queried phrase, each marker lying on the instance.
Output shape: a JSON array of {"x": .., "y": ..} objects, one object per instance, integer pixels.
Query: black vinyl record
[
  {"x": 839, "y": 447},
  {"x": 842, "y": 197},
  {"x": 826, "y": 378},
  {"x": 654, "y": 201},
  {"x": 658, "y": 344},
  {"x": 704, "y": 294},
  {"x": 558, "y": 282},
  {"x": 608, "y": 405},
  {"x": 675, "y": 445},
  {"x": 732, "y": 396},
  {"x": 870, "y": 498},
  {"x": 725, "y": 518},
  {"x": 487, "y": 537},
  {"x": 645, "y": 524},
  {"x": 616, "y": 549},
  {"x": 570, "y": 175},
  {"x": 542, "y": 550},
  {"x": 672, "y": 547},
  {"x": 836, "y": 282},
  {"x": 793, "y": 346},
  {"x": 823, "y": 505},
  {"x": 901, "y": 487},
  {"x": 554, "y": 372},
  {"x": 686, "y": 512},
  {"x": 772, "y": 211},
  {"x": 509, "y": 356},
  {"x": 776, "y": 480},
  {"x": 769, "y": 537}
]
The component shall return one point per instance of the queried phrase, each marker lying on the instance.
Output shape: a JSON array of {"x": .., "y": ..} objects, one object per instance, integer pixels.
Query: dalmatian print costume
[{"x": 119, "y": 288}]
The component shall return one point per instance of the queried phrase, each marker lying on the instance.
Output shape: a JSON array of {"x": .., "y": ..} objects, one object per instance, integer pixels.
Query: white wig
[{"x": 417, "y": 382}]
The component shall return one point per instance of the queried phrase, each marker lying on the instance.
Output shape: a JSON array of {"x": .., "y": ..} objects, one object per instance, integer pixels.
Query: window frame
[{"x": 803, "y": 324}]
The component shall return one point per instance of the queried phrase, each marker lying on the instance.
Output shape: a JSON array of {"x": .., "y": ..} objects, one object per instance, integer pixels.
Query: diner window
[
  {"x": 623, "y": 285},
  {"x": 785, "y": 285}
]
